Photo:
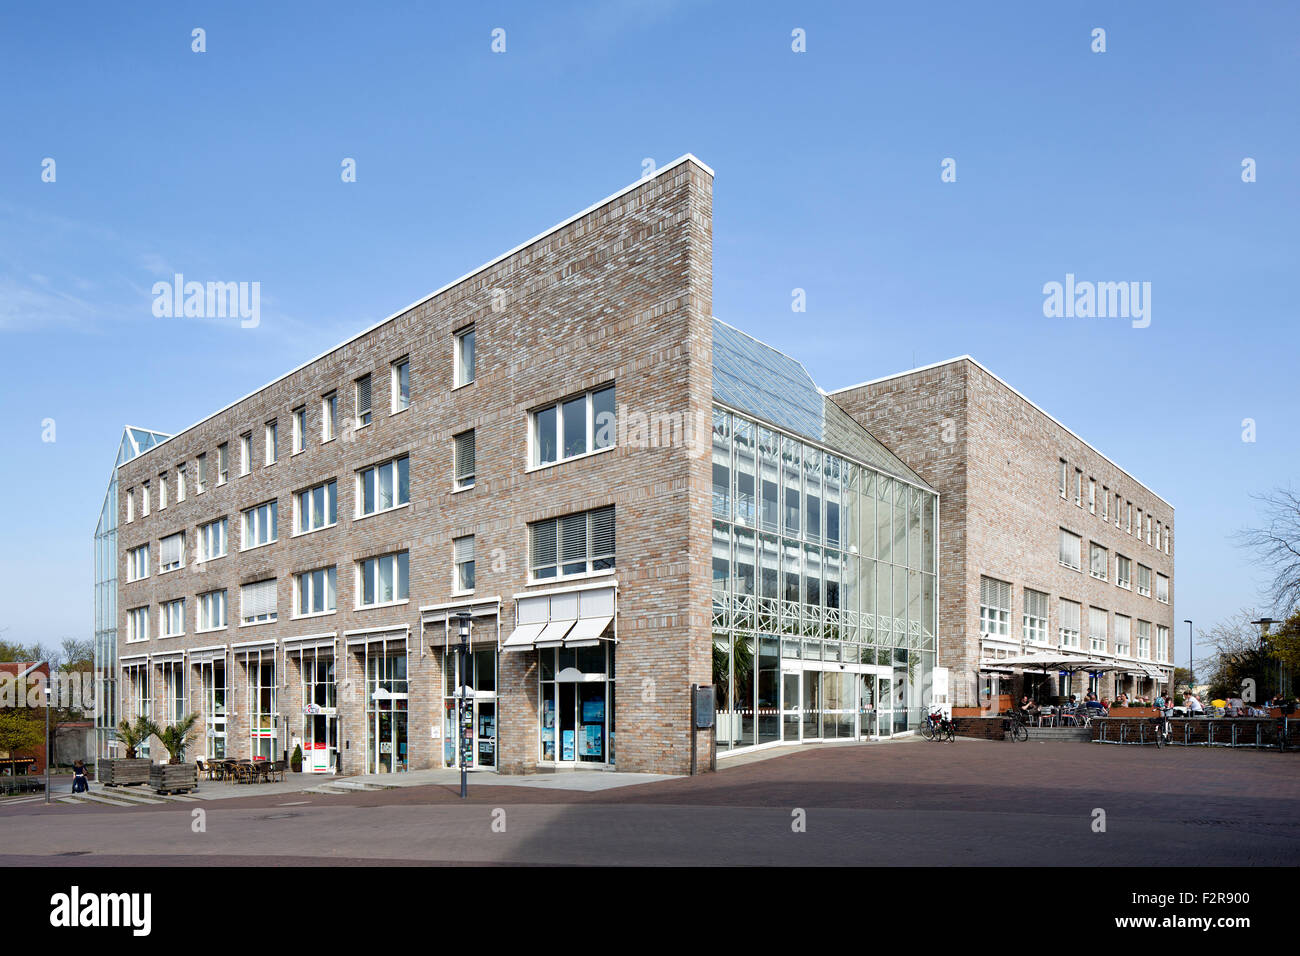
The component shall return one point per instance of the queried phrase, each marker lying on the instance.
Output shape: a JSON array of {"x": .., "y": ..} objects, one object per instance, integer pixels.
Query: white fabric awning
[
  {"x": 523, "y": 638},
  {"x": 576, "y": 617},
  {"x": 553, "y": 634},
  {"x": 587, "y": 631}
]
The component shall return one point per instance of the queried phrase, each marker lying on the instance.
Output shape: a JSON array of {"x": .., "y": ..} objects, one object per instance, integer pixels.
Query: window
[
  {"x": 172, "y": 618},
  {"x": 272, "y": 442},
  {"x": 130, "y": 504},
  {"x": 260, "y": 525},
  {"x": 1105, "y": 504},
  {"x": 314, "y": 592},
  {"x": 162, "y": 493},
  {"x": 463, "y": 557},
  {"x": 1118, "y": 515},
  {"x": 1162, "y": 589},
  {"x": 180, "y": 483},
  {"x": 401, "y": 385},
  {"x": 137, "y": 625},
  {"x": 1148, "y": 528},
  {"x": 1162, "y": 642},
  {"x": 1123, "y": 626},
  {"x": 212, "y": 611},
  {"x": 1123, "y": 571},
  {"x": 1092, "y": 496},
  {"x": 137, "y": 563},
  {"x": 1071, "y": 550},
  {"x": 1078, "y": 487},
  {"x": 383, "y": 580},
  {"x": 223, "y": 462},
  {"x": 383, "y": 487},
  {"x": 1144, "y": 640},
  {"x": 1129, "y": 519},
  {"x": 995, "y": 607},
  {"x": 362, "y": 386},
  {"x": 174, "y": 689},
  {"x": 573, "y": 427},
  {"x": 144, "y": 500},
  {"x": 171, "y": 552},
  {"x": 212, "y": 540},
  {"x": 1035, "y": 622},
  {"x": 245, "y": 453},
  {"x": 1070, "y": 623},
  {"x": 464, "y": 357},
  {"x": 1166, "y": 539},
  {"x": 299, "y": 428},
  {"x": 316, "y": 507},
  {"x": 329, "y": 415},
  {"x": 1097, "y": 630},
  {"x": 1098, "y": 560},
  {"x": 1065, "y": 478},
  {"x": 463, "y": 455},
  {"x": 1144, "y": 580},
  {"x": 574, "y": 544},
  {"x": 257, "y": 602}
]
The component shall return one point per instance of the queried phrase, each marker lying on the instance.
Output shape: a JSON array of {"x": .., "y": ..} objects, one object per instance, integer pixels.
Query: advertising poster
[
  {"x": 593, "y": 711},
  {"x": 566, "y": 745},
  {"x": 591, "y": 734},
  {"x": 548, "y": 743}
]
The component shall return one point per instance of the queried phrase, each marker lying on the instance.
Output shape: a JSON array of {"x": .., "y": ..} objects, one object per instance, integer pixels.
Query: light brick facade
[{"x": 995, "y": 459}]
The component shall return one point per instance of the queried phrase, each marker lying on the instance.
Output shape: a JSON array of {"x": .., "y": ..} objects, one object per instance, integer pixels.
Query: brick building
[
  {"x": 622, "y": 491},
  {"x": 1048, "y": 549},
  {"x": 24, "y": 690}
]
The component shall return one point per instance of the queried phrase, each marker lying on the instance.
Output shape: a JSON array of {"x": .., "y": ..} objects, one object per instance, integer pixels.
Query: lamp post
[
  {"x": 1190, "y": 641},
  {"x": 1264, "y": 623},
  {"x": 47, "y": 735},
  {"x": 462, "y": 620}
]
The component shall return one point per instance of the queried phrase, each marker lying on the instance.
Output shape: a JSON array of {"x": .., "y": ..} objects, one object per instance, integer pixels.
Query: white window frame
[
  {"x": 1144, "y": 640},
  {"x": 299, "y": 428},
  {"x": 162, "y": 569},
  {"x": 207, "y": 602},
  {"x": 271, "y": 433},
  {"x": 1123, "y": 635},
  {"x": 460, "y": 378},
  {"x": 1095, "y": 549},
  {"x": 589, "y": 398},
  {"x": 180, "y": 483},
  {"x": 393, "y": 557},
  {"x": 1123, "y": 577},
  {"x": 144, "y": 500},
  {"x": 245, "y": 453},
  {"x": 1098, "y": 639},
  {"x": 165, "y": 618},
  {"x": 1092, "y": 496},
  {"x": 396, "y": 402},
  {"x": 1144, "y": 590},
  {"x": 1078, "y": 542},
  {"x": 1162, "y": 642},
  {"x": 130, "y": 504},
  {"x": 329, "y": 410},
  {"x": 1162, "y": 584},
  {"x": 223, "y": 463},
  {"x": 377, "y": 468},
  {"x": 328, "y": 580},
  {"x": 1078, "y": 487},
  {"x": 460, "y": 558},
  {"x": 303, "y": 511},
  {"x": 162, "y": 492},
  {"x": 218, "y": 528},
  {"x": 137, "y": 558},
  {"x": 1070, "y": 637},
  {"x": 995, "y": 619},
  {"x": 360, "y": 418},
  {"x": 137, "y": 621},
  {"x": 1036, "y": 628},
  {"x": 461, "y": 480},
  {"x": 1064, "y": 479},
  {"x": 265, "y": 618},
  {"x": 591, "y": 558},
  {"x": 252, "y": 520}
]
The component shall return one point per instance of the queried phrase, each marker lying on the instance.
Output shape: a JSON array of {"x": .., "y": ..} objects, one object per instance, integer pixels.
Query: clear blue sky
[{"x": 225, "y": 165}]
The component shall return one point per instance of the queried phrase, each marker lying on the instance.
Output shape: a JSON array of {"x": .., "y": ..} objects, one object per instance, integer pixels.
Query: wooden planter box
[
  {"x": 122, "y": 772},
  {"x": 174, "y": 777}
]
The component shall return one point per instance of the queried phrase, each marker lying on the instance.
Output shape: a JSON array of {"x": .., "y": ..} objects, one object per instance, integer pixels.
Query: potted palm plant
[
  {"x": 176, "y": 775},
  {"x": 128, "y": 770}
]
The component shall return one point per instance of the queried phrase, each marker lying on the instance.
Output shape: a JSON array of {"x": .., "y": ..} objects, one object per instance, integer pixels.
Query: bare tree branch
[{"x": 1276, "y": 545}]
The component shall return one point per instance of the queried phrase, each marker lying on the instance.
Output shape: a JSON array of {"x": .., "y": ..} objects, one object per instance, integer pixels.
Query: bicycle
[
  {"x": 1015, "y": 726},
  {"x": 1164, "y": 730},
  {"x": 930, "y": 726}
]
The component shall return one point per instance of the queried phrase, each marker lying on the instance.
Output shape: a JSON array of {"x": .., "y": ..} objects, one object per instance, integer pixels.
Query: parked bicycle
[
  {"x": 1015, "y": 726},
  {"x": 1164, "y": 728},
  {"x": 938, "y": 727}
]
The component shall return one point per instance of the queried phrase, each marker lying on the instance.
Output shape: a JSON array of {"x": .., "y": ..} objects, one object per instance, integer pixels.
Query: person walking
[{"x": 80, "y": 782}]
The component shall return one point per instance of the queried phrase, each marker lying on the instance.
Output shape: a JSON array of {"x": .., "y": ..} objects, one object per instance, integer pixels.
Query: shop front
[
  {"x": 381, "y": 657},
  {"x": 475, "y": 681},
  {"x": 573, "y": 633},
  {"x": 318, "y": 733}
]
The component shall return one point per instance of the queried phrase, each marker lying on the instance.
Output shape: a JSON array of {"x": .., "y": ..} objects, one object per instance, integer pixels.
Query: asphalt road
[{"x": 917, "y": 803}]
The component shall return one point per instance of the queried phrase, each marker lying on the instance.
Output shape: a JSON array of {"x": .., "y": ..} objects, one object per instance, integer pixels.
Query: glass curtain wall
[{"x": 817, "y": 561}]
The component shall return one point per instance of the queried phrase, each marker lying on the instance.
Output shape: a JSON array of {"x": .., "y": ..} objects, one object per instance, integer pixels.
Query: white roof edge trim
[
  {"x": 1001, "y": 381},
  {"x": 684, "y": 158}
]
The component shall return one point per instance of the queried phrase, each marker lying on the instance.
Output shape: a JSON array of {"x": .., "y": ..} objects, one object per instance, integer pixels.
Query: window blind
[
  {"x": 602, "y": 532},
  {"x": 463, "y": 549},
  {"x": 172, "y": 546},
  {"x": 258, "y": 598},
  {"x": 995, "y": 593},
  {"x": 363, "y": 396},
  {"x": 573, "y": 538},
  {"x": 465, "y": 454},
  {"x": 1070, "y": 615},
  {"x": 543, "y": 542},
  {"x": 1035, "y": 603}
]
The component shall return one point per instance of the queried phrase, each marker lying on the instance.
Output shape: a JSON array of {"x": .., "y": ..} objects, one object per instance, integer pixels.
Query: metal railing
[{"x": 1219, "y": 732}]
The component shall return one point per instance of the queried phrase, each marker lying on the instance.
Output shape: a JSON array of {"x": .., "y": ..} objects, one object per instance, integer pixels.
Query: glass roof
[{"x": 755, "y": 378}]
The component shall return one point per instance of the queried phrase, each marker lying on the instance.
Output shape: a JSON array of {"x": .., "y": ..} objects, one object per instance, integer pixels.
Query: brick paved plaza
[{"x": 905, "y": 802}]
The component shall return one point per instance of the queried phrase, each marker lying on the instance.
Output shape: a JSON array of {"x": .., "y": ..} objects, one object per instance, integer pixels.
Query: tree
[
  {"x": 1276, "y": 544},
  {"x": 11, "y": 652},
  {"x": 176, "y": 737},
  {"x": 1243, "y": 664},
  {"x": 21, "y": 728},
  {"x": 134, "y": 734}
]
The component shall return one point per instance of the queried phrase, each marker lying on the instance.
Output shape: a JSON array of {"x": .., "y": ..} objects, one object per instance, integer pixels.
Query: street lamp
[
  {"x": 462, "y": 620},
  {"x": 1264, "y": 623},
  {"x": 47, "y": 735},
  {"x": 1190, "y": 641}
]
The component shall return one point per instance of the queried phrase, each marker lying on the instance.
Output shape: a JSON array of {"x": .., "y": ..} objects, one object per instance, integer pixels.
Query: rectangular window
[
  {"x": 464, "y": 357},
  {"x": 1098, "y": 559},
  {"x": 1065, "y": 478},
  {"x": 1092, "y": 496},
  {"x": 362, "y": 398},
  {"x": 162, "y": 493},
  {"x": 314, "y": 592},
  {"x": 1144, "y": 580},
  {"x": 260, "y": 525},
  {"x": 258, "y": 602},
  {"x": 130, "y": 504},
  {"x": 1123, "y": 571},
  {"x": 212, "y": 540},
  {"x": 1162, "y": 642},
  {"x": 573, "y": 427},
  {"x": 1105, "y": 504},
  {"x": 1128, "y": 507},
  {"x": 995, "y": 607},
  {"x": 316, "y": 507},
  {"x": 171, "y": 554},
  {"x": 1123, "y": 627},
  {"x": 223, "y": 462},
  {"x": 299, "y": 428},
  {"x": 1148, "y": 528},
  {"x": 144, "y": 500},
  {"x": 1166, "y": 539},
  {"x": 172, "y": 618},
  {"x": 137, "y": 625},
  {"x": 573, "y": 544},
  {"x": 180, "y": 483},
  {"x": 383, "y": 580},
  {"x": 401, "y": 385},
  {"x": 1118, "y": 511},
  {"x": 329, "y": 413},
  {"x": 1070, "y": 623},
  {"x": 245, "y": 453},
  {"x": 272, "y": 442},
  {"x": 1078, "y": 487},
  {"x": 202, "y": 485},
  {"x": 1162, "y": 589},
  {"x": 463, "y": 558},
  {"x": 137, "y": 563},
  {"x": 1097, "y": 619},
  {"x": 1035, "y": 622},
  {"x": 1144, "y": 640},
  {"x": 1071, "y": 550},
  {"x": 212, "y": 611},
  {"x": 463, "y": 459},
  {"x": 383, "y": 487}
]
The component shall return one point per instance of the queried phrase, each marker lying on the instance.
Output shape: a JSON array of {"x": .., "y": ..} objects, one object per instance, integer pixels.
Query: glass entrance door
[
  {"x": 885, "y": 703},
  {"x": 791, "y": 682},
  {"x": 812, "y": 705}
]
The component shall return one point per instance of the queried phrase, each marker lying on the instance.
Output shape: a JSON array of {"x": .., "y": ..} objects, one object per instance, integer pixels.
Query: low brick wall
[
  {"x": 1197, "y": 730},
  {"x": 987, "y": 728}
]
